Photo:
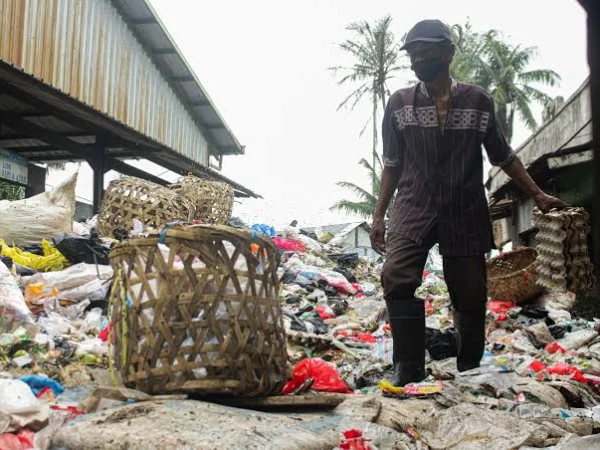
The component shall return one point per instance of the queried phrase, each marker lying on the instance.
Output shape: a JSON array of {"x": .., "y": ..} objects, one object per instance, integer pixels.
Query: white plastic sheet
[
  {"x": 13, "y": 308},
  {"x": 81, "y": 281}
]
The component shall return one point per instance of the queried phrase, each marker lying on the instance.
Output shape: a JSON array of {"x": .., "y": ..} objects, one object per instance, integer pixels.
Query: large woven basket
[
  {"x": 212, "y": 200},
  {"x": 512, "y": 277},
  {"x": 195, "y": 309},
  {"x": 130, "y": 198}
]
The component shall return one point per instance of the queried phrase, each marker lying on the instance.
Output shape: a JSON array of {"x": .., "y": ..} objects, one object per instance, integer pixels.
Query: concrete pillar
[{"x": 36, "y": 180}]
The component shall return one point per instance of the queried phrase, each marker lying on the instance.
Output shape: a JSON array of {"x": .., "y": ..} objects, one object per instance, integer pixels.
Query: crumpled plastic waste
[
  {"x": 354, "y": 440},
  {"x": 264, "y": 230},
  {"x": 13, "y": 309},
  {"x": 39, "y": 382},
  {"x": 82, "y": 249},
  {"x": 324, "y": 375},
  {"x": 289, "y": 245},
  {"x": 500, "y": 308},
  {"x": 23, "y": 440},
  {"x": 52, "y": 259},
  {"x": 412, "y": 389}
]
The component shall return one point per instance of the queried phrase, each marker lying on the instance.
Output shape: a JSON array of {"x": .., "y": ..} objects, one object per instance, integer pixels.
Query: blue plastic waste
[
  {"x": 265, "y": 230},
  {"x": 39, "y": 382}
]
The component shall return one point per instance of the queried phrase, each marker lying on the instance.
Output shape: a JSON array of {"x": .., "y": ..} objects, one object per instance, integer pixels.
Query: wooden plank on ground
[{"x": 290, "y": 402}]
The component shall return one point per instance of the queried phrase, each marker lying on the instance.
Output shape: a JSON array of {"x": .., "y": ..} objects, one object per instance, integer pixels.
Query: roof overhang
[
  {"x": 160, "y": 46},
  {"x": 42, "y": 124}
]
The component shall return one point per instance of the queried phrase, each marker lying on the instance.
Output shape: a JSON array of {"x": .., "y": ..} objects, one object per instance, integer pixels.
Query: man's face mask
[{"x": 427, "y": 70}]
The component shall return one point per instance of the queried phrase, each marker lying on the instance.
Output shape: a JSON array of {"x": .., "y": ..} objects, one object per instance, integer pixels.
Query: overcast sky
[{"x": 264, "y": 64}]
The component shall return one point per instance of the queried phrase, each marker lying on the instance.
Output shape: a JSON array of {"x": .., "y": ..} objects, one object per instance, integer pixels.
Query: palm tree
[
  {"x": 377, "y": 58},
  {"x": 470, "y": 48},
  {"x": 365, "y": 206},
  {"x": 501, "y": 68}
]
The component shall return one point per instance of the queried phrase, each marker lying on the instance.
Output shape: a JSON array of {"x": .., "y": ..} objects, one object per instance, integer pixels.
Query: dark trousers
[{"x": 466, "y": 276}]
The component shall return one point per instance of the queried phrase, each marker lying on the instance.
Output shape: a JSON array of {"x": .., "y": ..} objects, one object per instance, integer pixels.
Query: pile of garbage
[
  {"x": 542, "y": 365},
  {"x": 537, "y": 385}
]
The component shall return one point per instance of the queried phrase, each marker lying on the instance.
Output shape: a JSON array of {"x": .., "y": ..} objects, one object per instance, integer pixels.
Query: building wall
[
  {"x": 85, "y": 49},
  {"x": 571, "y": 126}
]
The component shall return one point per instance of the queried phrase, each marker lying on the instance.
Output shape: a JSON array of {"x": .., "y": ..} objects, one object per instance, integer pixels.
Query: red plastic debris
[
  {"x": 103, "y": 335},
  {"x": 354, "y": 440},
  {"x": 21, "y": 441},
  {"x": 325, "y": 377},
  {"x": 560, "y": 368},
  {"x": 73, "y": 410},
  {"x": 289, "y": 245},
  {"x": 500, "y": 308},
  {"x": 537, "y": 366},
  {"x": 554, "y": 347},
  {"x": 366, "y": 337},
  {"x": 325, "y": 312}
]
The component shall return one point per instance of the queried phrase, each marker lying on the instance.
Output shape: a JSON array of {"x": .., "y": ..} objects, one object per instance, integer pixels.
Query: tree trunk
[
  {"x": 373, "y": 186},
  {"x": 502, "y": 116},
  {"x": 510, "y": 124}
]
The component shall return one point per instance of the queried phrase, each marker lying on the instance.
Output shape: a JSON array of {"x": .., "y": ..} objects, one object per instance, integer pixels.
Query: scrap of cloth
[{"x": 441, "y": 168}]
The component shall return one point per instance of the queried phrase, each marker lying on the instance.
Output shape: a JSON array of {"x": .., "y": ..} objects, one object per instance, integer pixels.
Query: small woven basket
[
  {"x": 196, "y": 310},
  {"x": 213, "y": 200},
  {"x": 130, "y": 198},
  {"x": 512, "y": 277}
]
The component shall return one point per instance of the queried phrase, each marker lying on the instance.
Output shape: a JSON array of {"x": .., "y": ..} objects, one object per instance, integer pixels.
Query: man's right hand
[{"x": 378, "y": 235}]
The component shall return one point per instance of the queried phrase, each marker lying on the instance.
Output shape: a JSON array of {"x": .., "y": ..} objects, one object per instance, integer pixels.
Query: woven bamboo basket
[
  {"x": 213, "y": 200},
  {"x": 196, "y": 310},
  {"x": 130, "y": 198},
  {"x": 512, "y": 277}
]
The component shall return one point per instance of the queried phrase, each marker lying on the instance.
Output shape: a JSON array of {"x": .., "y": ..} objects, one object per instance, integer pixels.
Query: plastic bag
[
  {"x": 37, "y": 293},
  {"x": 17, "y": 398},
  {"x": 325, "y": 377},
  {"x": 93, "y": 321},
  {"x": 500, "y": 308},
  {"x": 264, "y": 230},
  {"x": 289, "y": 245},
  {"x": 69, "y": 282},
  {"x": 26, "y": 222},
  {"x": 13, "y": 309},
  {"x": 54, "y": 325},
  {"x": 82, "y": 249},
  {"x": 52, "y": 259},
  {"x": 38, "y": 382}
]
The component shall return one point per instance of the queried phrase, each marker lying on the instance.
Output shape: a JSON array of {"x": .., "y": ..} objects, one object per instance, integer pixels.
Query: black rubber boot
[
  {"x": 470, "y": 339},
  {"x": 407, "y": 321}
]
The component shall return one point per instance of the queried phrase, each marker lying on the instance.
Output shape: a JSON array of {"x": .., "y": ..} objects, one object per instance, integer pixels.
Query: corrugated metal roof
[{"x": 153, "y": 35}]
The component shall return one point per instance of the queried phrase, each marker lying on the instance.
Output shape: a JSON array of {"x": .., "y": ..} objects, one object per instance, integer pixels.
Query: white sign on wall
[{"x": 13, "y": 167}]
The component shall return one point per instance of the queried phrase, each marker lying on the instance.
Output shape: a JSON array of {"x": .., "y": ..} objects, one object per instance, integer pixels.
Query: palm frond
[
  {"x": 358, "y": 191},
  {"x": 522, "y": 105},
  {"x": 546, "y": 77},
  {"x": 361, "y": 209}
]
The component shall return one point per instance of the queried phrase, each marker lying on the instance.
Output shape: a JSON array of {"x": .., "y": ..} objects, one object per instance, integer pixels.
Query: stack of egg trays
[{"x": 563, "y": 260}]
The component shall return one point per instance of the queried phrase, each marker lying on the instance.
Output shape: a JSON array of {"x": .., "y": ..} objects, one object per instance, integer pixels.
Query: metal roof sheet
[{"x": 153, "y": 35}]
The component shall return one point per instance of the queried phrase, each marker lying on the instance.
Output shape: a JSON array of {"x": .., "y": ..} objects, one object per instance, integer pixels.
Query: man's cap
[{"x": 428, "y": 31}]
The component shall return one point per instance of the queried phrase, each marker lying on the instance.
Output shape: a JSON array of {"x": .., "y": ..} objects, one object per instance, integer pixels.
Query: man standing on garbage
[{"x": 432, "y": 138}]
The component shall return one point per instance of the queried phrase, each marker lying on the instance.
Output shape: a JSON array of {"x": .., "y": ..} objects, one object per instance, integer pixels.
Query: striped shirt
[{"x": 441, "y": 173}]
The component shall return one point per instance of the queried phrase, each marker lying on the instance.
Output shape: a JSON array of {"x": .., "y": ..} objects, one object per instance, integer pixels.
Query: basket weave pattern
[
  {"x": 213, "y": 200},
  {"x": 130, "y": 198},
  {"x": 199, "y": 314},
  {"x": 512, "y": 276}
]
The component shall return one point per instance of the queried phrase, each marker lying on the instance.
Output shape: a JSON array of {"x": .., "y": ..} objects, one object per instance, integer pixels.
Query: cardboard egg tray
[{"x": 563, "y": 260}]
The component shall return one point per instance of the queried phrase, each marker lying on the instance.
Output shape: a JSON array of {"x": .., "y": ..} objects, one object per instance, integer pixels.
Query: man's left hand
[{"x": 547, "y": 203}]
